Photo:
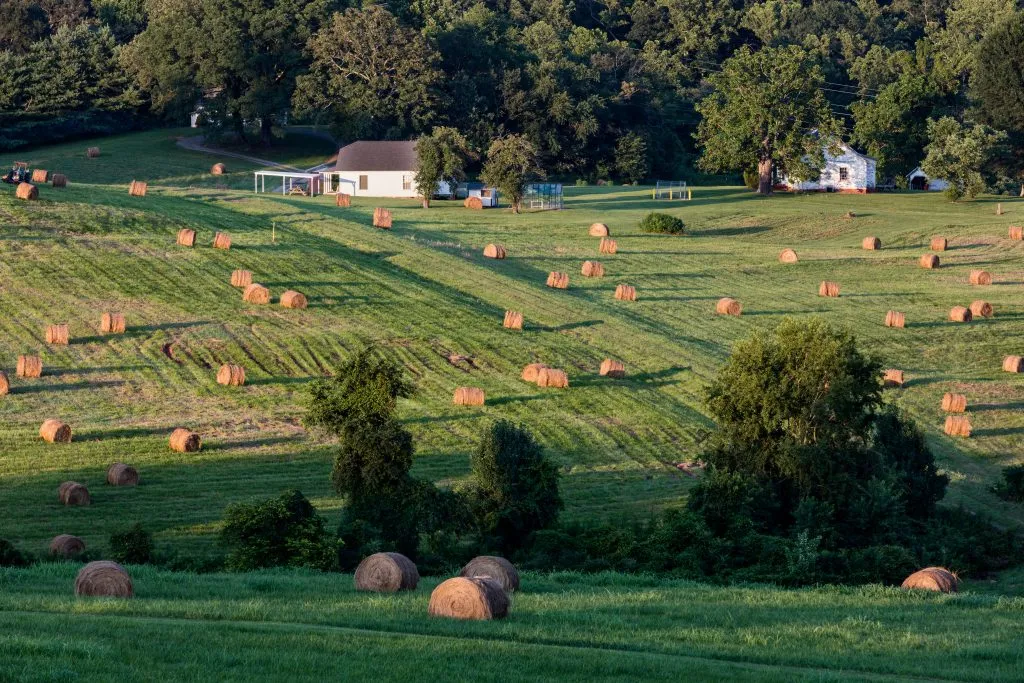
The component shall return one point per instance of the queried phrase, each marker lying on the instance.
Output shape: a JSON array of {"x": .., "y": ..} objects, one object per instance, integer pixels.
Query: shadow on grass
[
  {"x": 505, "y": 400},
  {"x": 122, "y": 433},
  {"x": 998, "y": 431},
  {"x": 925, "y": 381},
  {"x": 252, "y": 443},
  {"x": 450, "y": 417},
  {"x": 1014, "y": 405},
  {"x": 59, "y": 372},
  {"x": 732, "y": 232},
  {"x": 279, "y": 381},
  {"x": 141, "y": 329},
  {"x": 564, "y": 327},
  {"x": 59, "y": 388}
]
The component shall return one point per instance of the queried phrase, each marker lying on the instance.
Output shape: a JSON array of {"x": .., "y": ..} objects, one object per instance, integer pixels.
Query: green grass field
[{"x": 425, "y": 293}]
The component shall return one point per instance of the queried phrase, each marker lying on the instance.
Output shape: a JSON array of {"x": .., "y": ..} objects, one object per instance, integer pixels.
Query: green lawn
[{"x": 424, "y": 291}]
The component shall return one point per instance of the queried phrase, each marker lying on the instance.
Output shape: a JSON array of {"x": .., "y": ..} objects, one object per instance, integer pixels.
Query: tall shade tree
[
  {"x": 440, "y": 157},
  {"x": 511, "y": 161},
  {"x": 998, "y": 85},
  {"x": 960, "y": 154},
  {"x": 762, "y": 111}
]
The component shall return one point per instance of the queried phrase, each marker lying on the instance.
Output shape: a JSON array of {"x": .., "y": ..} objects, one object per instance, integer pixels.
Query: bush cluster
[{"x": 662, "y": 223}]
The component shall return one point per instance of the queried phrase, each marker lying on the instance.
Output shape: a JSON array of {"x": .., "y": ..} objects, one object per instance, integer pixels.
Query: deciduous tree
[{"x": 511, "y": 161}]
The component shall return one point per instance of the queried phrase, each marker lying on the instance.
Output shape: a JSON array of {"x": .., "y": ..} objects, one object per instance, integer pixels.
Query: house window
[
  {"x": 844, "y": 173},
  {"x": 364, "y": 182},
  {"x": 406, "y": 182}
]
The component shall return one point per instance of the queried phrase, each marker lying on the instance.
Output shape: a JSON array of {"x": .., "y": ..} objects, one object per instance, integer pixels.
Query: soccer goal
[{"x": 672, "y": 189}]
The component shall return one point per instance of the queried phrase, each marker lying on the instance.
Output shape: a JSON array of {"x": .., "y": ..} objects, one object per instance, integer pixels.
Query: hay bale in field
[
  {"x": 218, "y": 169},
  {"x": 957, "y": 425},
  {"x": 728, "y": 306},
  {"x": 1013, "y": 364},
  {"x": 137, "y": 188},
  {"x": 980, "y": 277},
  {"x": 5, "y": 384},
  {"x": 558, "y": 280},
  {"x": 892, "y": 378},
  {"x": 612, "y": 368},
  {"x": 92, "y": 152},
  {"x": 625, "y": 293},
  {"x": 231, "y": 375},
  {"x": 469, "y": 396},
  {"x": 104, "y": 579},
  {"x": 788, "y": 256},
  {"x": 382, "y": 218},
  {"x": 599, "y": 230},
  {"x": 492, "y": 567},
  {"x": 241, "y": 278},
  {"x": 513, "y": 320},
  {"x": 871, "y": 243},
  {"x": 828, "y": 288},
  {"x": 112, "y": 323},
  {"x": 222, "y": 240},
  {"x": 30, "y": 366},
  {"x": 954, "y": 403},
  {"x": 494, "y": 251},
  {"x": 120, "y": 474},
  {"x": 938, "y": 244},
  {"x": 592, "y": 269},
  {"x": 477, "y": 598},
  {"x": 550, "y": 377},
  {"x": 532, "y": 371},
  {"x": 929, "y": 261},
  {"x": 608, "y": 246},
  {"x": 938, "y": 579},
  {"x": 185, "y": 441},
  {"x": 59, "y": 180},
  {"x": 474, "y": 203},
  {"x": 186, "y": 237},
  {"x": 1016, "y": 232},
  {"x": 293, "y": 299},
  {"x": 386, "y": 573},
  {"x": 39, "y": 177},
  {"x": 256, "y": 294},
  {"x": 55, "y": 431},
  {"x": 57, "y": 334},
  {"x": 981, "y": 309},
  {"x": 27, "y": 191},
  {"x": 66, "y": 546},
  {"x": 895, "y": 319},
  {"x": 960, "y": 314},
  {"x": 73, "y": 493},
  {"x": 343, "y": 200},
  {"x": 849, "y": 215}
]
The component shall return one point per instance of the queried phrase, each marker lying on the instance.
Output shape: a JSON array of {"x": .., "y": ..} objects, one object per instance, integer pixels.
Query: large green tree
[
  {"x": 961, "y": 155},
  {"x": 440, "y": 157},
  {"x": 511, "y": 162}
]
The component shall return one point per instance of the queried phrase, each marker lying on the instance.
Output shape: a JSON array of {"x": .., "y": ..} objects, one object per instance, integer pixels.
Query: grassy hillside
[
  {"x": 424, "y": 291},
  {"x": 292, "y": 626}
]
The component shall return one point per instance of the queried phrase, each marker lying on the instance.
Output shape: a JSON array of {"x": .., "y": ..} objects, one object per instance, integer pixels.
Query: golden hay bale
[
  {"x": 981, "y": 309},
  {"x": 73, "y": 493},
  {"x": 137, "y": 188},
  {"x": 386, "y": 573},
  {"x": 222, "y": 240},
  {"x": 960, "y": 314},
  {"x": 592, "y": 269},
  {"x": 599, "y": 230},
  {"x": 256, "y": 294},
  {"x": 112, "y": 323},
  {"x": 39, "y": 176},
  {"x": 871, "y": 243},
  {"x": 343, "y": 200},
  {"x": 231, "y": 375},
  {"x": 381, "y": 218},
  {"x": 728, "y": 306},
  {"x": 468, "y": 396},
  {"x": 513, "y": 320},
  {"x": 895, "y": 319},
  {"x": 218, "y": 169},
  {"x": 1013, "y": 364},
  {"x": 892, "y": 378},
  {"x": 120, "y": 474},
  {"x": 608, "y": 246},
  {"x": 558, "y": 280},
  {"x": 27, "y": 191},
  {"x": 981, "y": 277},
  {"x": 929, "y": 261},
  {"x": 938, "y": 579},
  {"x": 57, "y": 334},
  {"x": 478, "y": 598},
  {"x": 491, "y": 567},
  {"x": 293, "y": 299},
  {"x": 59, "y": 180},
  {"x": 625, "y": 293},
  {"x": 92, "y": 152},
  {"x": 612, "y": 368},
  {"x": 55, "y": 431},
  {"x": 30, "y": 366},
  {"x": 186, "y": 237},
  {"x": 827, "y": 288},
  {"x": 939, "y": 244},
  {"x": 494, "y": 251},
  {"x": 66, "y": 546},
  {"x": 788, "y": 256},
  {"x": 532, "y": 371},
  {"x": 550, "y": 377},
  {"x": 473, "y": 203},
  {"x": 1016, "y": 232},
  {"x": 104, "y": 579},
  {"x": 958, "y": 425},
  {"x": 5, "y": 384},
  {"x": 954, "y": 403},
  {"x": 241, "y": 278},
  {"x": 185, "y": 441}
]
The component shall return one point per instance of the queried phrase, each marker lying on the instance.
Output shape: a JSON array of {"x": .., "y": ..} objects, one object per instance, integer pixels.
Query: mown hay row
[
  {"x": 29, "y": 367},
  {"x": 104, "y": 579},
  {"x": 612, "y": 368},
  {"x": 469, "y": 396},
  {"x": 112, "y": 323},
  {"x": 625, "y": 293},
  {"x": 230, "y": 375},
  {"x": 788, "y": 256},
  {"x": 386, "y": 573},
  {"x": 954, "y": 403},
  {"x": 293, "y": 299},
  {"x": 957, "y": 425},
  {"x": 828, "y": 288},
  {"x": 592, "y": 269},
  {"x": 478, "y": 598},
  {"x": 72, "y": 493},
  {"x": 895, "y": 319},
  {"x": 513, "y": 320},
  {"x": 728, "y": 306},
  {"x": 492, "y": 567},
  {"x": 185, "y": 441},
  {"x": 120, "y": 474}
]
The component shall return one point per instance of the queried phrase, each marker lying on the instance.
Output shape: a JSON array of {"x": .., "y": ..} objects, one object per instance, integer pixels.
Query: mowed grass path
[{"x": 424, "y": 292}]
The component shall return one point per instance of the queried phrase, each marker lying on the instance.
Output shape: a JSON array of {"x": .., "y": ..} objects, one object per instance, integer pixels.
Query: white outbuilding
[
  {"x": 377, "y": 168},
  {"x": 919, "y": 180},
  {"x": 848, "y": 172}
]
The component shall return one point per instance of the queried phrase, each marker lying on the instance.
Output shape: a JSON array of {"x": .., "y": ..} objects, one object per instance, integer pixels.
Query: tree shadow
[
  {"x": 279, "y": 381},
  {"x": 252, "y": 443},
  {"x": 925, "y": 381},
  {"x": 59, "y": 372},
  {"x": 564, "y": 327},
  {"x": 122, "y": 433},
  {"x": 998, "y": 431},
  {"x": 732, "y": 231},
  {"x": 505, "y": 400},
  {"x": 60, "y": 388},
  {"x": 139, "y": 329},
  {"x": 980, "y": 407}
]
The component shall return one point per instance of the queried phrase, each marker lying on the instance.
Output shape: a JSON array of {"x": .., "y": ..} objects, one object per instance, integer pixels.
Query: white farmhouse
[
  {"x": 919, "y": 180},
  {"x": 377, "y": 168},
  {"x": 849, "y": 172}
]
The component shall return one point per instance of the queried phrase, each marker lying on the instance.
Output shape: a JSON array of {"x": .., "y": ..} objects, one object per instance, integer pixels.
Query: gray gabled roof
[{"x": 377, "y": 155}]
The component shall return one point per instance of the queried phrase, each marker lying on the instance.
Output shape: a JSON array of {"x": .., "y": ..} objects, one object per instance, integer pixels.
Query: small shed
[
  {"x": 919, "y": 180},
  {"x": 848, "y": 172}
]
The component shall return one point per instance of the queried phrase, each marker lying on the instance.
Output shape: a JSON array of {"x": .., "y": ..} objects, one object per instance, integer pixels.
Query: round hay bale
[
  {"x": 231, "y": 375},
  {"x": 727, "y": 306},
  {"x": 30, "y": 366},
  {"x": 218, "y": 169},
  {"x": 608, "y": 246},
  {"x": 222, "y": 240},
  {"x": 871, "y": 243},
  {"x": 958, "y": 425},
  {"x": 241, "y": 278},
  {"x": 849, "y": 215},
  {"x": 73, "y": 493},
  {"x": 55, "y": 431},
  {"x": 937, "y": 579},
  {"x": 59, "y": 180},
  {"x": 895, "y": 319},
  {"x": 120, "y": 474},
  {"x": 892, "y": 378},
  {"x": 468, "y": 396},
  {"x": 66, "y": 546},
  {"x": 491, "y": 567},
  {"x": 592, "y": 269},
  {"x": 478, "y": 598},
  {"x": 92, "y": 152},
  {"x": 186, "y": 237},
  {"x": 954, "y": 403},
  {"x": 27, "y": 191},
  {"x": 185, "y": 441},
  {"x": 558, "y": 280},
  {"x": 57, "y": 334},
  {"x": 104, "y": 579},
  {"x": 1013, "y": 364},
  {"x": 532, "y": 371},
  {"x": 5, "y": 384},
  {"x": 599, "y": 230},
  {"x": 788, "y": 256},
  {"x": 981, "y": 309},
  {"x": 625, "y": 293},
  {"x": 1016, "y": 232},
  {"x": 960, "y": 314},
  {"x": 386, "y": 573},
  {"x": 612, "y": 368},
  {"x": 474, "y": 203},
  {"x": 513, "y": 320},
  {"x": 829, "y": 289},
  {"x": 494, "y": 251},
  {"x": 112, "y": 323},
  {"x": 938, "y": 244},
  {"x": 137, "y": 188},
  {"x": 550, "y": 377},
  {"x": 929, "y": 261},
  {"x": 980, "y": 277},
  {"x": 382, "y": 218},
  {"x": 293, "y": 299},
  {"x": 39, "y": 177},
  {"x": 256, "y": 294},
  {"x": 343, "y": 200}
]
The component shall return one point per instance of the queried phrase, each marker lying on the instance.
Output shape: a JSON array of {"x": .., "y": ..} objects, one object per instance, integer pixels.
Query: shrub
[
  {"x": 134, "y": 545},
  {"x": 279, "y": 532},
  {"x": 1011, "y": 488},
  {"x": 11, "y": 556},
  {"x": 662, "y": 223},
  {"x": 751, "y": 178}
]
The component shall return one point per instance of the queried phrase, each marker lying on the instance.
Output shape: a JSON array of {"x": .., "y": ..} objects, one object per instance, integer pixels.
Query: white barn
[
  {"x": 377, "y": 168},
  {"x": 849, "y": 172},
  {"x": 919, "y": 180}
]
